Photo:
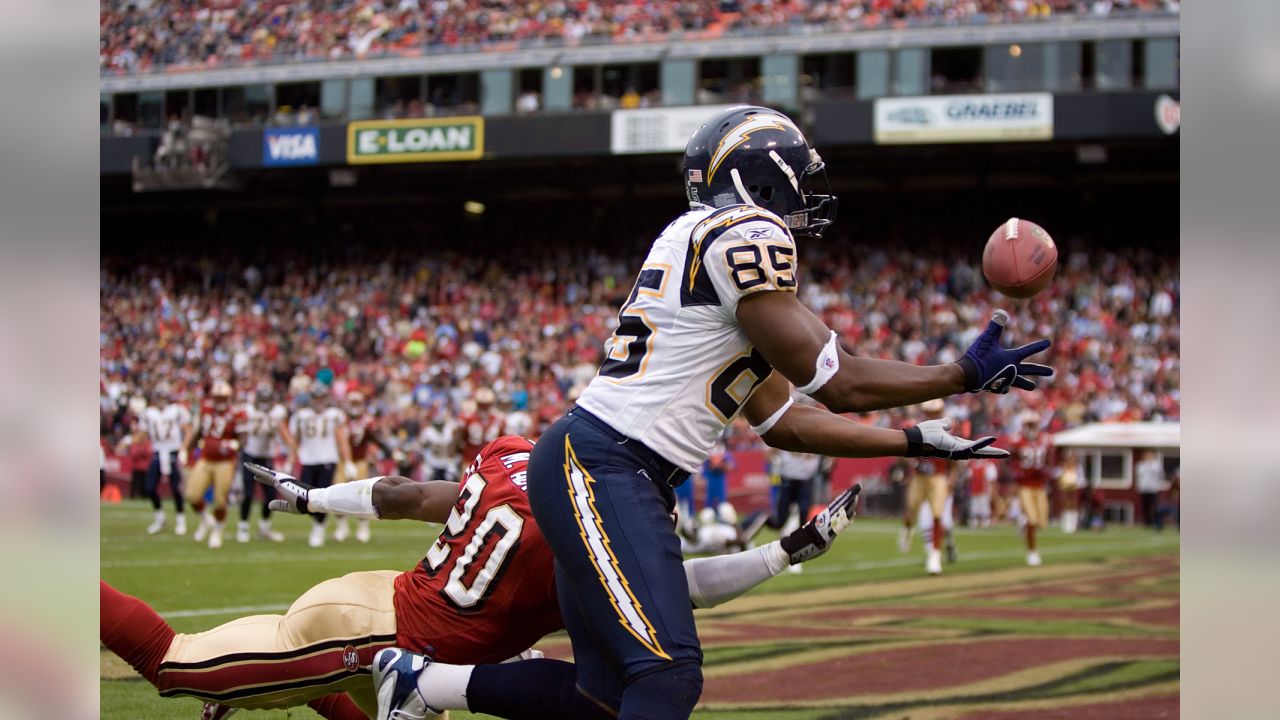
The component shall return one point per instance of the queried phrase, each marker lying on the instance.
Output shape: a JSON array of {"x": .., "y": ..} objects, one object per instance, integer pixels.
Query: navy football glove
[
  {"x": 933, "y": 438},
  {"x": 992, "y": 368}
]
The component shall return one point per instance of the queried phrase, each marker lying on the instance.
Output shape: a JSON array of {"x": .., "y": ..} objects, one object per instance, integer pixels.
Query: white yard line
[
  {"x": 914, "y": 558},
  {"x": 236, "y": 610},
  {"x": 301, "y": 555}
]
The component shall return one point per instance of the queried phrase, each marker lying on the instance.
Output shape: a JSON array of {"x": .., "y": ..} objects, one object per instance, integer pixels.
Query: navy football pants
[{"x": 606, "y": 514}]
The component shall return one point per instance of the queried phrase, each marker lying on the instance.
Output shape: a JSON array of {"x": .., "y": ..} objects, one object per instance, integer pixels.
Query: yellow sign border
[{"x": 474, "y": 154}]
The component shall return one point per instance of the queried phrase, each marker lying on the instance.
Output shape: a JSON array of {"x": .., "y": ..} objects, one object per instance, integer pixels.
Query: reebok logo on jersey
[{"x": 759, "y": 233}]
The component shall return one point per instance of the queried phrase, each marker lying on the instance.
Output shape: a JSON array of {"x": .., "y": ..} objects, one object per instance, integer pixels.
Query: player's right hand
[
  {"x": 291, "y": 494},
  {"x": 933, "y": 438}
]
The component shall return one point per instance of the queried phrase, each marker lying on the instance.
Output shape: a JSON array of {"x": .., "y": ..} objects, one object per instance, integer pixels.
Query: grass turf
[{"x": 195, "y": 588}]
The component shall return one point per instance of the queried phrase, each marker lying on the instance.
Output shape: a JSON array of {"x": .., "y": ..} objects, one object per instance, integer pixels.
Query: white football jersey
[
  {"x": 518, "y": 423},
  {"x": 316, "y": 435},
  {"x": 164, "y": 426},
  {"x": 798, "y": 466},
  {"x": 679, "y": 367},
  {"x": 437, "y": 444},
  {"x": 261, "y": 427}
]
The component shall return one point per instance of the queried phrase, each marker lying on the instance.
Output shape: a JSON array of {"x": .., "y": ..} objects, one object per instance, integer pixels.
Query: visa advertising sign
[{"x": 290, "y": 146}]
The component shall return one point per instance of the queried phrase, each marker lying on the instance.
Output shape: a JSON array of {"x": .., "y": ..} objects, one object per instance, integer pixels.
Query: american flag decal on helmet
[{"x": 695, "y": 175}]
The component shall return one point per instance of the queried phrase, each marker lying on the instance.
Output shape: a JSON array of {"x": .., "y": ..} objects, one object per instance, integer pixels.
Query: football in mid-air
[{"x": 1020, "y": 258}]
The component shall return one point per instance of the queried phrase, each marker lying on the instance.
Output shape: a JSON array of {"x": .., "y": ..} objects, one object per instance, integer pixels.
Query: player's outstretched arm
[
  {"x": 801, "y": 347},
  {"x": 390, "y": 498},
  {"x": 399, "y": 498},
  {"x": 715, "y": 580},
  {"x": 802, "y": 428}
]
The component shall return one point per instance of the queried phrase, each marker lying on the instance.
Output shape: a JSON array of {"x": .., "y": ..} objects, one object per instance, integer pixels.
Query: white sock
[{"x": 444, "y": 687}]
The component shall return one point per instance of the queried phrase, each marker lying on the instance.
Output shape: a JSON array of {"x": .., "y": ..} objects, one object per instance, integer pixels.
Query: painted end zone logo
[
  {"x": 417, "y": 140},
  {"x": 290, "y": 146}
]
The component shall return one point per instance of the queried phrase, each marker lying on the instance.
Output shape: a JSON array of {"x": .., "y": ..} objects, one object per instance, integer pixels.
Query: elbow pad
[
  {"x": 350, "y": 498},
  {"x": 825, "y": 367}
]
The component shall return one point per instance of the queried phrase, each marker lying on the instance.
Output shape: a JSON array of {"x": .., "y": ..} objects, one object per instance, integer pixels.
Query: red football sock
[
  {"x": 337, "y": 707},
  {"x": 938, "y": 532},
  {"x": 132, "y": 630},
  {"x": 220, "y": 514},
  {"x": 1031, "y": 537}
]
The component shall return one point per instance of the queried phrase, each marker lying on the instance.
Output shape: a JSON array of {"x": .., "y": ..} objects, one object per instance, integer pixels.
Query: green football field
[{"x": 860, "y": 633}]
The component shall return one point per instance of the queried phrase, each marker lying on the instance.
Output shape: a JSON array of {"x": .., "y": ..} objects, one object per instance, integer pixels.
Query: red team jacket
[{"x": 488, "y": 581}]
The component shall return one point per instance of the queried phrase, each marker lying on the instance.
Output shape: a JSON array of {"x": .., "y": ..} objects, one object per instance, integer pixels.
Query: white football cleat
[
  {"x": 395, "y": 676},
  {"x": 202, "y": 530},
  {"x": 933, "y": 561},
  {"x": 362, "y": 531},
  {"x": 904, "y": 540},
  {"x": 266, "y": 533},
  {"x": 342, "y": 530},
  {"x": 242, "y": 532},
  {"x": 215, "y": 537},
  {"x": 317, "y": 536},
  {"x": 1033, "y": 559},
  {"x": 180, "y": 525},
  {"x": 156, "y": 525}
]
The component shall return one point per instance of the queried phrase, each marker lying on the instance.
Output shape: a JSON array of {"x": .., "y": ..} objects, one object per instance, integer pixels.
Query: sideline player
[
  {"x": 711, "y": 316},
  {"x": 361, "y": 436},
  {"x": 1032, "y": 452},
  {"x": 218, "y": 434},
  {"x": 166, "y": 428},
  {"x": 439, "y": 441},
  {"x": 982, "y": 482},
  {"x": 262, "y": 421},
  {"x": 466, "y": 601},
  {"x": 481, "y": 427},
  {"x": 930, "y": 480},
  {"x": 316, "y": 435}
]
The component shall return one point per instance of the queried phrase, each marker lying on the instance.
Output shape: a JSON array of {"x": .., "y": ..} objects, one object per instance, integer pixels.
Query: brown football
[{"x": 1020, "y": 258}]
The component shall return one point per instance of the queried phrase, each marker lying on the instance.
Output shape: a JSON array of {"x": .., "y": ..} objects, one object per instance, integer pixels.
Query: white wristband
[
  {"x": 351, "y": 498},
  {"x": 773, "y": 419},
  {"x": 825, "y": 367}
]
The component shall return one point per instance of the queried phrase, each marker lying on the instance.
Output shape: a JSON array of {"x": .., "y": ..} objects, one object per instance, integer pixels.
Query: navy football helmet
[{"x": 757, "y": 156}]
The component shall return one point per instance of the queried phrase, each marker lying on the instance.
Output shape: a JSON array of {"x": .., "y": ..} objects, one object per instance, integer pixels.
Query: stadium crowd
[
  {"x": 140, "y": 35},
  {"x": 420, "y": 338}
]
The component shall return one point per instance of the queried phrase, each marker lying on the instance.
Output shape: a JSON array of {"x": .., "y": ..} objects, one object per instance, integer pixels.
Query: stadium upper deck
[{"x": 141, "y": 36}]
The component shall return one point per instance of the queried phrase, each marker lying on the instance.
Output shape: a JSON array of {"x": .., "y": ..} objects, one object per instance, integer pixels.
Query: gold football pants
[{"x": 323, "y": 644}]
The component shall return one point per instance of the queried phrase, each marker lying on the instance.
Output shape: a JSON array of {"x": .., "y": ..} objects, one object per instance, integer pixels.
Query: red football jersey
[
  {"x": 488, "y": 581},
  {"x": 1030, "y": 459},
  {"x": 477, "y": 431},
  {"x": 360, "y": 435},
  {"x": 218, "y": 441}
]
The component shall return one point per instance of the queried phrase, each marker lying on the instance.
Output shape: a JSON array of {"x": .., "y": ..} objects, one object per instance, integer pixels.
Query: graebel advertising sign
[
  {"x": 415, "y": 140},
  {"x": 964, "y": 118}
]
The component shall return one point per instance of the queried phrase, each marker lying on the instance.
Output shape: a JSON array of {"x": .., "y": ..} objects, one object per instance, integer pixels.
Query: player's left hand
[
  {"x": 989, "y": 366},
  {"x": 816, "y": 536},
  {"x": 933, "y": 438},
  {"x": 292, "y": 495}
]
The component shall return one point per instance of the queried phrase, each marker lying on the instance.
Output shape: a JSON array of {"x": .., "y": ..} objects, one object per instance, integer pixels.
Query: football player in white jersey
[
  {"x": 316, "y": 435},
  {"x": 712, "y": 327},
  {"x": 439, "y": 441},
  {"x": 262, "y": 426},
  {"x": 166, "y": 422}
]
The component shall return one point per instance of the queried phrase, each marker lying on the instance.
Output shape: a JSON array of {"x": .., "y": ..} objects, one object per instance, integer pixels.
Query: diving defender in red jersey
[{"x": 484, "y": 592}]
